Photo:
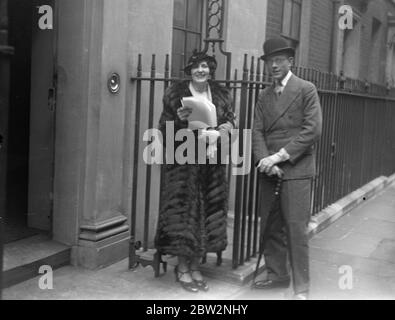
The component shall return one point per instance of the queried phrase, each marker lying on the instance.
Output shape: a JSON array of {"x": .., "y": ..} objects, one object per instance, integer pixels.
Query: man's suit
[{"x": 292, "y": 121}]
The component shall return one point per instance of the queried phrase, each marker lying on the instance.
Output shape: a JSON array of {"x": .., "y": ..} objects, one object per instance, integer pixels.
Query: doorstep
[{"x": 23, "y": 258}]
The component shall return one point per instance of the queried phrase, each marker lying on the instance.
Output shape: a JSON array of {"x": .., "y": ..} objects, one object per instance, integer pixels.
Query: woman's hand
[
  {"x": 184, "y": 112},
  {"x": 212, "y": 135},
  {"x": 211, "y": 150},
  {"x": 227, "y": 126}
]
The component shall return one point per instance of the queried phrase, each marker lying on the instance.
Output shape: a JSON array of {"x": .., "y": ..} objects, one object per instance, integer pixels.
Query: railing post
[
  {"x": 240, "y": 179},
  {"x": 258, "y": 80},
  {"x": 1, "y": 255},
  {"x": 249, "y": 185},
  {"x": 133, "y": 258},
  {"x": 148, "y": 167}
]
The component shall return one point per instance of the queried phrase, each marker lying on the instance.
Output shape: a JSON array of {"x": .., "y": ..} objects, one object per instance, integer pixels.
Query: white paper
[{"x": 203, "y": 114}]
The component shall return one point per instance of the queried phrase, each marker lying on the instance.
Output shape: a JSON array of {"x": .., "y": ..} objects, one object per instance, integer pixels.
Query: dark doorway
[
  {"x": 20, "y": 37},
  {"x": 28, "y": 162}
]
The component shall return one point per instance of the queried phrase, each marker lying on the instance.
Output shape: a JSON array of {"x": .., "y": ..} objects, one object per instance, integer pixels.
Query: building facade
[
  {"x": 68, "y": 105},
  {"x": 360, "y": 52}
]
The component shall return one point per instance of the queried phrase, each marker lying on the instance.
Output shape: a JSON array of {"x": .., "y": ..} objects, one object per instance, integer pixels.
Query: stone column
[
  {"x": 337, "y": 40},
  {"x": 88, "y": 211}
]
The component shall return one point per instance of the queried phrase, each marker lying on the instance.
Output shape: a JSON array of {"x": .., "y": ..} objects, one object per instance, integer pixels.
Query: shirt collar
[{"x": 286, "y": 79}]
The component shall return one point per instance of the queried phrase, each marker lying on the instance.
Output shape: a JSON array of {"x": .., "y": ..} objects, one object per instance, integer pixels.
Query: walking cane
[{"x": 263, "y": 233}]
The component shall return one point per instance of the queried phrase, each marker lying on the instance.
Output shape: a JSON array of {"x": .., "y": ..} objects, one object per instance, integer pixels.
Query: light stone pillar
[
  {"x": 337, "y": 40},
  {"x": 90, "y": 143}
]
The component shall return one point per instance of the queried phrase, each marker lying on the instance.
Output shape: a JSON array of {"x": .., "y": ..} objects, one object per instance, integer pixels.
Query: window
[
  {"x": 292, "y": 11},
  {"x": 187, "y": 32}
]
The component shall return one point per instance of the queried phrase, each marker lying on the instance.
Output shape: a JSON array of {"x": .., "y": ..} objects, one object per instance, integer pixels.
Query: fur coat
[{"x": 194, "y": 197}]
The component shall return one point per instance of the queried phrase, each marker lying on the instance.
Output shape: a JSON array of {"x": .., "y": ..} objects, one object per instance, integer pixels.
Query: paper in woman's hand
[{"x": 203, "y": 113}]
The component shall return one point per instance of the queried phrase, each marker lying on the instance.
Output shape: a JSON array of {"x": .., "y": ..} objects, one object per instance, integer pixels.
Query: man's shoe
[
  {"x": 301, "y": 296},
  {"x": 271, "y": 284}
]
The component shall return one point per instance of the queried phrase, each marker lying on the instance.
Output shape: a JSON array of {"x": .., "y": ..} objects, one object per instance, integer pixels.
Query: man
[{"x": 287, "y": 124}]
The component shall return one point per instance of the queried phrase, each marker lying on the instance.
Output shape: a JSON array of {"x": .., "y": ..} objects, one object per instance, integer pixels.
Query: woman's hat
[
  {"x": 198, "y": 57},
  {"x": 276, "y": 46}
]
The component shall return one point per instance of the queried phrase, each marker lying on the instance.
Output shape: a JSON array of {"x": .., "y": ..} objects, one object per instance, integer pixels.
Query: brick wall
[
  {"x": 321, "y": 25},
  {"x": 321, "y": 35},
  {"x": 370, "y": 60},
  {"x": 274, "y": 18}
]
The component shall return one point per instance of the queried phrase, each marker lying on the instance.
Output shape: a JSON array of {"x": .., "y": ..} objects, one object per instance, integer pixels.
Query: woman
[{"x": 192, "y": 218}]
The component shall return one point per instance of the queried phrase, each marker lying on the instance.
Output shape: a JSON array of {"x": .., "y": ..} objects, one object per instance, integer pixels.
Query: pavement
[{"x": 352, "y": 259}]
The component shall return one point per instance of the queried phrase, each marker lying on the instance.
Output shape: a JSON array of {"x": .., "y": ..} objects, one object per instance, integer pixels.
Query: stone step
[{"x": 23, "y": 258}]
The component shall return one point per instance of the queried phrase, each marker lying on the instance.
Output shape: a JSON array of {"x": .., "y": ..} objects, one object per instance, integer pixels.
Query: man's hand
[
  {"x": 184, "y": 112},
  {"x": 276, "y": 171},
  {"x": 266, "y": 164}
]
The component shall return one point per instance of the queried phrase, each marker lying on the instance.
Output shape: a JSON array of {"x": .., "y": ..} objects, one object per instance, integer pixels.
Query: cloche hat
[{"x": 198, "y": 57}]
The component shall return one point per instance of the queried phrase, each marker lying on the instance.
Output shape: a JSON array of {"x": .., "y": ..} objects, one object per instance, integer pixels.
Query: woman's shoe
[
  {"x": 201, "y": 284},
  {"x": 188, "y": 286}
]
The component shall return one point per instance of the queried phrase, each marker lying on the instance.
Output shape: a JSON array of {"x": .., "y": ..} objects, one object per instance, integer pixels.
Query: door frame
[{"x": 38, "y": 218}]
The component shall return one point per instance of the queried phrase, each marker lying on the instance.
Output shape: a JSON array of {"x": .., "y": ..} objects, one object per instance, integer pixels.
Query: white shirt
[
  {"x": 286, "y": 78},
  {"x": 280, "y": 89}
]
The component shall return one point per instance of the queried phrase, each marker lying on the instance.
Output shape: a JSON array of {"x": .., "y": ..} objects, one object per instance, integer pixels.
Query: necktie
[{"x": 279, "y": 88}]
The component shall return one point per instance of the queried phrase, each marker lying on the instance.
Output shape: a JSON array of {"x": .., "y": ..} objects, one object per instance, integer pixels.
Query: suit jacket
[{"x": 292, "y": 121}]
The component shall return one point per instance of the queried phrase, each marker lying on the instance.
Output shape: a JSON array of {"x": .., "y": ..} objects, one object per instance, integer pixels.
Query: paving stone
[
  {"x": 354, "y": 243},
  {"x": 373, "y": 227},
  {"x": 371, "y": 265},
  {"x": 385, "y": 251},
  {"x": 363, "y": 239}
]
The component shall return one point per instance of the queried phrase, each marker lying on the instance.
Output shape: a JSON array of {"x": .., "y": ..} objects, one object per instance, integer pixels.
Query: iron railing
[{"x": 357, "y": 145}]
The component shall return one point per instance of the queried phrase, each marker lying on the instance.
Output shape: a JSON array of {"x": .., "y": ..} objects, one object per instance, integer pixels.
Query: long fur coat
[{"x": 194, "y": 197}]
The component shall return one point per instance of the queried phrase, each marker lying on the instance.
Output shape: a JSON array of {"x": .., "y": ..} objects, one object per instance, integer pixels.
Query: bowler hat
[
  {"x": 276, "y": 46},
  {"x": 198, "y": 57}
]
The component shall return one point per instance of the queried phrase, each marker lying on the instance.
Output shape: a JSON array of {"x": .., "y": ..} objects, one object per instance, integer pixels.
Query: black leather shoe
[
  {"x": 201, "y": 284},
  {"x": 271, "y": 284},
  {"x": 188, "y": 286}
]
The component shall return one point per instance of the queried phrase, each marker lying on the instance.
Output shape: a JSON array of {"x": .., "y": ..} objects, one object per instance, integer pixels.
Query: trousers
[{"x": 285, "y": 230}]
